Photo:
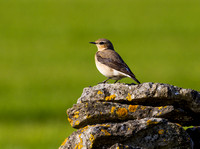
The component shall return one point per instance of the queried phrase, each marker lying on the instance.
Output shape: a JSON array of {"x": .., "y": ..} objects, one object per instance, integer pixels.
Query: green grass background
[{"x": 46, "y": 60}]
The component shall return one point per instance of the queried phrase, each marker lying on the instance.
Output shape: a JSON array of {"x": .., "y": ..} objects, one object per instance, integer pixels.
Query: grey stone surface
[
  {"x": 150, "y": 94},
  {"x": 89, "y": 113},
  {"x": 147, "y": 133}
]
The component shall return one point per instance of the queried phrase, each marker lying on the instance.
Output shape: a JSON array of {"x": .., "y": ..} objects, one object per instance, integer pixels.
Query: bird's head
[{"x": 103, "y": 44}]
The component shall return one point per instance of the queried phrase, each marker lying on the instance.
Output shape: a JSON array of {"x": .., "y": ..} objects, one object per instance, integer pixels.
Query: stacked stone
[{"x": 144, "y": 116}]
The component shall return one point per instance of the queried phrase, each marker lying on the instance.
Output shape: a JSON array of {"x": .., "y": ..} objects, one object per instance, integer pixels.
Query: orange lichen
[
  {"x": 112, "y": 110},
  {"x": 105, "y": 125},
  {"x": 70, "y": 121},
  {"x": 76, "y": 123},
  {"x": 150, "y": 122},
  {"x": 64, "y": 141},
  {"x": 111, "y": 97},
  {"x": 132, "y": 108},
  {"x": 122, "y": 112},
  {"x": 105, "y": 132},
  {"x": 161, "y": 131},
  {"x": 159, "y": 114},
  {"x": 86, "y": 104},
  {"x": 80, "y": 144},
  {"x": 159, "y": 108},
  {"x": 99, "y": 92},
  {"x": 143, "y": 107},
  {"x": 178, "y": 125},
  {"x": 76, "y": 114},
  {"x": 129, "y": 97},
  {"x": 83, "y": 129},
  {"x": 91, "y": 140},
  {"x": 88, "y": 116},
  {"x": 91, "y": 137}
]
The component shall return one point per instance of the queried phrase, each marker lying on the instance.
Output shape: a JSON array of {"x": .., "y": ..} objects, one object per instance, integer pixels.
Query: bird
[{"x": 109, "y": 62}]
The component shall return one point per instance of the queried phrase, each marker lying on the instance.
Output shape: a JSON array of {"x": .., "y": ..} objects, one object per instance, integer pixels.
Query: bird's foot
[
  {"x": 116, "y": 81},
  {"x": 103, "y": 82}
]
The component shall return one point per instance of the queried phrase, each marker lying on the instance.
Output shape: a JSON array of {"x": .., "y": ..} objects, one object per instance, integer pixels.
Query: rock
[
  {"x": 144, "y": 116},
  {"x": 147, "y": 133},
  {"x": 194, "y": 133},
  {"x": 89, "y": 113},
  {"x": 121, "y": 146},
  {"x": 149, "y": 94}
]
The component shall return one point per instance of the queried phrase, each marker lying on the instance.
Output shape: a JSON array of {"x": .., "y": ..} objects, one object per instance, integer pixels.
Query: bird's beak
[{"x": 92, "y": 42}]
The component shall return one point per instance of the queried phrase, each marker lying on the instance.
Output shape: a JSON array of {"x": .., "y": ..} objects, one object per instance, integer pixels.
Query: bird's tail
[{"x": 134, "y": 78}]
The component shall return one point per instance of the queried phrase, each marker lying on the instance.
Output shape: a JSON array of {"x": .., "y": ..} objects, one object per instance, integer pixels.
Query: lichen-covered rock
[
  {"x": 89, "y": 113},
  {"x": 121, "y": 146},
  {"x": 149, "y": 94},
  {"x": 147, "y": 133},
  {"x": 144, "y": 116}
]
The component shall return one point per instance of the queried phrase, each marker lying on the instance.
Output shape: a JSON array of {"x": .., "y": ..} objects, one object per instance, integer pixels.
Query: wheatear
[{"x": 109, "y": 62}]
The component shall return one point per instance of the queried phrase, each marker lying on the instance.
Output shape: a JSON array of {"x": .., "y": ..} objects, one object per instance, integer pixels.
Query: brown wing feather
[{"x": 113, "y": 60}]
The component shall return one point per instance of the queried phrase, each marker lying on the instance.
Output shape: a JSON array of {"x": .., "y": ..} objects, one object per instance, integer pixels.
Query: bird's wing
[{"x": 113, "y": 60}]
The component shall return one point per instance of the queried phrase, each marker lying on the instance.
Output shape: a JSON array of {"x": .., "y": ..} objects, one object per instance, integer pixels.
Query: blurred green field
[{"x": 46, "y": 60}]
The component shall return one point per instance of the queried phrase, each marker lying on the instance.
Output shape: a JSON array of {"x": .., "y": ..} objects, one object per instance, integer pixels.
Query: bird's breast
[
  {"x": 103, "y": 69},
  {"x": 108, "y": 71}
]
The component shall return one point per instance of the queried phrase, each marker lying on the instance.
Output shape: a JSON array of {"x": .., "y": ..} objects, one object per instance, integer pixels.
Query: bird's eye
[{"x": 101, "y": 43}]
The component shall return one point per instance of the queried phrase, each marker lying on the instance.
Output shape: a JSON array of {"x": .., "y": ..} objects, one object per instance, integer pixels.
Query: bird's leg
[
  {"x": 116, "y": 81},
  {"x": 104, "y": 81}
]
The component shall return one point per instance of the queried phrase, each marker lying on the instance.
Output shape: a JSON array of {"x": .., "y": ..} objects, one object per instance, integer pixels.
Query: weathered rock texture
[{"x": 144, "y": 116}]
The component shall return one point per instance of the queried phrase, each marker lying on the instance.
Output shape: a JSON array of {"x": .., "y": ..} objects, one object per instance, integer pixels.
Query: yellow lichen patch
[
  {"x": 129, "y": 97},
  {"x": 161, "y": 131},
  {"x": 105, "y": 132},
  {"x": 159, "y": 114},
  {"x": 91, "y": 140},
  {"x": 86, "y": 104},
  {"x": 117, "y": 147},
  {"x": 143, "y": 107},
  {"x": 150, "y": 122},
  {"x": 105, "y": 125},
  {"x": 112, "y": 110},
  {"x": 80, "y": 144},
  {"x": 83, "y": 129},
  {"x": 132, "y": 108},
  {"x": 70, "y": 121},
  {"x": 122, "y": 112},
  {"x": 99, "y": 92},
  {"x": 64, "y": 141},
  {"x": 178, "y": 125},
  {"x": 88, "y": 116},
  {"x": 159, "y": 108},
  {"x": 76, "y": 123},
  {"x": 111, "y": 97},
  {"x": 76, "y": 114}
]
